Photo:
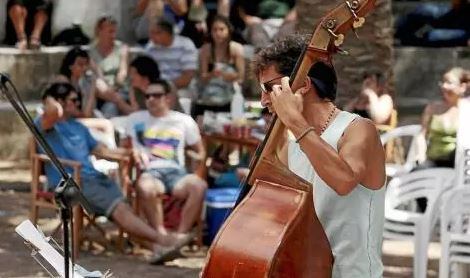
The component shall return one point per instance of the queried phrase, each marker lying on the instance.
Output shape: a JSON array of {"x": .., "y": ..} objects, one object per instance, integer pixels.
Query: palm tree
[{"x": 372, "y": 51}]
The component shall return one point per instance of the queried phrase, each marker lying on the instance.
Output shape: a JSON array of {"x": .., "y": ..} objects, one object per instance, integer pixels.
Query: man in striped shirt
[{"x": 176, "y": 55}]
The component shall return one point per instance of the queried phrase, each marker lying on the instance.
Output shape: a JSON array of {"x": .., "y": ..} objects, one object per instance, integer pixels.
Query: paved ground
[{"x": 15, "y": 260}]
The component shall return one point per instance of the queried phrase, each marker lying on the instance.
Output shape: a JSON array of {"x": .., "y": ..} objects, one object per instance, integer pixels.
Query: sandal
[
  {"x": 22, "y": 43},
  {"x": 168, "y": 253},
  {"x": 34, "y": 43}
]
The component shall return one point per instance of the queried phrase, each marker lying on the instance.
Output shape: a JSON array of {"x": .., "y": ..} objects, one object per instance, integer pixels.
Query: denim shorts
[
  {"x": 168, "y": 176},
  {"x": 102, "y": 193}
]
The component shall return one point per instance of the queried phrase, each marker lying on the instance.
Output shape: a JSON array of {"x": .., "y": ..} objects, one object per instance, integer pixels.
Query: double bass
[{"x": 273, "y": 230}]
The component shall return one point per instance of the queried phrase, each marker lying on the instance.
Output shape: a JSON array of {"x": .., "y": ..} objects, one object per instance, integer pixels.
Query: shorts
[
  {"x": 168, "y": 176},
  {"x": 102, "y": 193}
]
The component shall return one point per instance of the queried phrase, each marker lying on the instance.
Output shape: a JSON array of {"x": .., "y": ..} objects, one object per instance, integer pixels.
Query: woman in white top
[{"x": 221, "y": 63}]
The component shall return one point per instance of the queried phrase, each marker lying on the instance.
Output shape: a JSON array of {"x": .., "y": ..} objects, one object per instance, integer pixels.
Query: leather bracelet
[{"x": 306, "y": 131}]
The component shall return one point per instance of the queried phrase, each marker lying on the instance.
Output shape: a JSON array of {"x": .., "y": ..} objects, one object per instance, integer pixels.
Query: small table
[{"x": 250, "y": 142}]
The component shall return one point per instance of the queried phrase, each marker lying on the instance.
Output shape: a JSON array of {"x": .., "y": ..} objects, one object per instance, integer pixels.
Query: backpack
[{"x": 71, "y": 36}]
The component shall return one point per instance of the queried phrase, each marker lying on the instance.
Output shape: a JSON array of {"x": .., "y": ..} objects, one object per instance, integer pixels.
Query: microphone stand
[{"x": 67, "y": 193}]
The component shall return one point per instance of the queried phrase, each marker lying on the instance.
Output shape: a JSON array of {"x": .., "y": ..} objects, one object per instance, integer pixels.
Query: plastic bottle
[{"x": 237, "y": 104}]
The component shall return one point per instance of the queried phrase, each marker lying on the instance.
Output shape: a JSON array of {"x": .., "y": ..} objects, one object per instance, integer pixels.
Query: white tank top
[{"x": 353, "y": 223}]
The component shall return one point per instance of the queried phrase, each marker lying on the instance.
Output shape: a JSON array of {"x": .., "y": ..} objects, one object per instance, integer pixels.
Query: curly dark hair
[
  {"x": 58, "y": 91},
  {"x": 283, "y": 54}
]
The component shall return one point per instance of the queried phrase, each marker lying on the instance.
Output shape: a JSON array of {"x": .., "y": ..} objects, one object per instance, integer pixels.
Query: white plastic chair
[
  {"x": 455, "y": 232},
  {"x": 402, "y": 222},
  {"x": 415, "y": 153}
]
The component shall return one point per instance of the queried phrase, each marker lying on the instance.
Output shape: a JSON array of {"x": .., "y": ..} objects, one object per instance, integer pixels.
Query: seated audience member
[
  {"x": 159, "y": 137},
  {"x": 440, "y": 119},
  {"x": 70, "y": 139},
  {"x": 28, "y": 18},
  {"x": 221, "y": 64},
  {"x": 200, "y": 14},
  {"x": 143, "y": 71},
  {"x": 111, "y": 58},
  {"x": 440, "y": 122},
  {"x": 147, "y": 12},
  {"x": 75, "y": 70},
  {"x": 373, "y": 101},
  {"x": 436, "y": 24},
  {"x": 262, "y": 22},
  {"x": 176, "y": 56}
]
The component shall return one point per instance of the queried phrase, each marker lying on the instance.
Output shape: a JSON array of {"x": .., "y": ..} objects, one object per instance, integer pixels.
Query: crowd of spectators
[
  {"x": 103, "y": 81},
  {"x": 189, "y": 53},
  {"x": 435, "y": 24}
]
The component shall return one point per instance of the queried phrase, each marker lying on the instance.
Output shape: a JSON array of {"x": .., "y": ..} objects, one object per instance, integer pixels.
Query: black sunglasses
[
  {"x": 154, "y": 95},
  {"x": 75, "y": 99},
  {"x": 266, "y": 87}
]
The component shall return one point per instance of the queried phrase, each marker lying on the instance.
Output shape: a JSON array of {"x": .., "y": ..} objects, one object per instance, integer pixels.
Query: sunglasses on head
[
  {"x": 154, "y": 95},
  {"x": 266, "y": 87}
]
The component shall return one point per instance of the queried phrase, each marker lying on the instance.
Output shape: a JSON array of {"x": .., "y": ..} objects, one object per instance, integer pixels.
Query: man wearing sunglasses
[
  {"x": 70, "y": 139},
  {"x": 339, "y": 153},
  {"x": 160, "y": 137}
]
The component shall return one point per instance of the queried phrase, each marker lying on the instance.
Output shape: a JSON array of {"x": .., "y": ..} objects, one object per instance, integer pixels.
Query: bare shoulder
[
  {"x": 360, "y": 129},
  {"x": 362, "y": 138},
  {"x": 361, "y": 142},
  {"x": 236, "y": 48}
]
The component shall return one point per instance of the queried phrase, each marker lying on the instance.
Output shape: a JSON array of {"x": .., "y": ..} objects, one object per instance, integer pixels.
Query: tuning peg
[
  {"x": 339, "y": 39},
  {"x": 358, "y": 22}
]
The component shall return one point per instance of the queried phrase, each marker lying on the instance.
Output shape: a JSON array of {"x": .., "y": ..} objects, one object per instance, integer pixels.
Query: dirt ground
[{"x": 15, "y": 259}]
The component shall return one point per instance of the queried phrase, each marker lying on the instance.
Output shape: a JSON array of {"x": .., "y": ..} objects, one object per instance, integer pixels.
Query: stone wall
[
  {"x": 417, "y": 71},
  {"x": 14, "y": 135},
  {"x": 31, "y": 71}
]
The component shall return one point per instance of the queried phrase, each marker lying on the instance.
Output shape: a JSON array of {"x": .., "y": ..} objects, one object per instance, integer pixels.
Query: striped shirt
[{"x": 173, "y": 60}]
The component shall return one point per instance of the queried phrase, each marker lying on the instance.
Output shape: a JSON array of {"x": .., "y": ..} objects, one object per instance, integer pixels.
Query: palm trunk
[{"x": 371, "y": 52}]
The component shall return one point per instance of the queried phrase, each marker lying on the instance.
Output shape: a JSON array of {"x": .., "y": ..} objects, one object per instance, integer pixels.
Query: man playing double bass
[{"x": 338, "y": 152}]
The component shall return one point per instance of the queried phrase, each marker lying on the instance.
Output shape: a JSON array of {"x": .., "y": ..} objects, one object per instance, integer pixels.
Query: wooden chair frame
[{"x": 45, "y": 199}]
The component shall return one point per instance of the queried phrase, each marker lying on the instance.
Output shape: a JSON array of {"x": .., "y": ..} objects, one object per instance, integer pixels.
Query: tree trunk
[{"x": 371, "y": 52}]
